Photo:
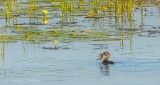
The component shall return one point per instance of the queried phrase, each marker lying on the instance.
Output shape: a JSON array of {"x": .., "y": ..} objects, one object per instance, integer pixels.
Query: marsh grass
[
  {"x": 39, "y": 17},
  {"x": 66, "y": 21}
]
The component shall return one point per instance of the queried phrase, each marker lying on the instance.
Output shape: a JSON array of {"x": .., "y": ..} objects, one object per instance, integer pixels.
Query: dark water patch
[
  {"x": 99, "y": 46},
  {"x": 150, "y": 33},
  {"x": 127, "y": 53},
  {"x": 66, "y": 23},
  {"x": 30, "y": 24},
  {"x": 56, "y": 48},
  {"x": 144, "y": 52}
]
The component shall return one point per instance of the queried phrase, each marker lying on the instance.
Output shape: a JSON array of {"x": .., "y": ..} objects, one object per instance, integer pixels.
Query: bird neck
[{"x": 106, "y": 58}]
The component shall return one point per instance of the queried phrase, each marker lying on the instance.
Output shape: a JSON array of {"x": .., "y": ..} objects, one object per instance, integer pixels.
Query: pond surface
[
  {"x": 34, "y": 65},
  {"x": 66, "y": 55}
]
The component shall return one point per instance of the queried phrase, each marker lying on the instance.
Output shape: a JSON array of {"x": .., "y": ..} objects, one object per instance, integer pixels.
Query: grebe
[{"x": 105, "y": 61}]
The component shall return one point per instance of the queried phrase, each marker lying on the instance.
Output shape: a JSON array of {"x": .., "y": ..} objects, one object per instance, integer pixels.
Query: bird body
[
  {"x": 105, "y": 61},
  {"x": 108, "y": 62}
]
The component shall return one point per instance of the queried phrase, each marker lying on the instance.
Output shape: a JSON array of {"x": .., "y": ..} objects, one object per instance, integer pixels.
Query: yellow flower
[
  {"x": 104, "y": 8},
  {"x": 91, "y": 12},
  {"x": 111, "y": 4},
  {"x": 45, "y": 12},
  {"x": 80, "y": 7},
  {"x": 45, "y": 21},
  {"x": 55, "y": 41},
  {"x": 27, "y": 35},
  {"x": 17, "y": 26}
]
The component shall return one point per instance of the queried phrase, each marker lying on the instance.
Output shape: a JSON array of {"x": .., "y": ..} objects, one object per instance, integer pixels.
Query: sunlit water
[{"x": 137, "y": 63}]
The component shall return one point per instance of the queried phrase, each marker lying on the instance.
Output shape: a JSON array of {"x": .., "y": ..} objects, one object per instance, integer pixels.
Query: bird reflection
[{"x": 104, "y": 69}]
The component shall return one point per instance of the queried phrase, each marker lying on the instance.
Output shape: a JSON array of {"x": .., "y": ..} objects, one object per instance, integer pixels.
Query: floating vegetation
[
  {"x": 38, "y": 22},
  {"x": 7, "y": 39}
]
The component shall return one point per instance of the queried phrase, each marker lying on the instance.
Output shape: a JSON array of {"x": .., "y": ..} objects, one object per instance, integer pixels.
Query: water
[
  {"x": 137, "y": 57},
  {"x": 34, "y": 65}
]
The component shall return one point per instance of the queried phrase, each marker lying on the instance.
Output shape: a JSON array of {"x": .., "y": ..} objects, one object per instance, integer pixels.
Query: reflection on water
[
  {"x": 104, "y": 69},
  {"x": 57, "y": 41}
]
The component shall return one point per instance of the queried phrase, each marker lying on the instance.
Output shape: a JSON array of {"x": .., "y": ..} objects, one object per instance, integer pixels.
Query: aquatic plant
[
  {"x": 116, "y": 14},
  {"x": 55, "y": 41},
  {"x": 45, "y": 12}
]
